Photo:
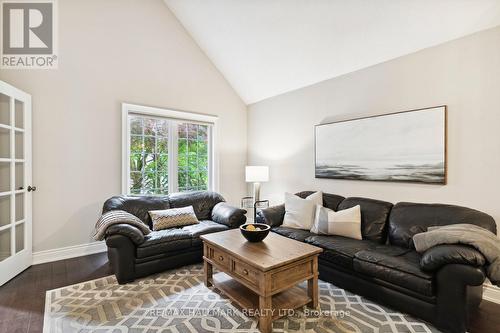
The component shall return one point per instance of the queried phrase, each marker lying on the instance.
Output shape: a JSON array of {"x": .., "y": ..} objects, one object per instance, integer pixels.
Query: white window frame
[{"x": 176, "y": 116}]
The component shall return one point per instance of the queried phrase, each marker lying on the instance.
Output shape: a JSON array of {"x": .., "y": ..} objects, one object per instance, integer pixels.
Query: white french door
[{"x": 15, "y": 182}]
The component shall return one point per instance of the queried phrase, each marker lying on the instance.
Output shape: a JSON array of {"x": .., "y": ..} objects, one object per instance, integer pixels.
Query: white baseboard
[
  {"x": 62, "y": 253},
  {"x": 491, "y": 293}
]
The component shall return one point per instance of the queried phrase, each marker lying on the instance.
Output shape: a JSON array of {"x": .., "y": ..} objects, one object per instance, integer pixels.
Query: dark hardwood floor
[{"x": 22, "y": 299}]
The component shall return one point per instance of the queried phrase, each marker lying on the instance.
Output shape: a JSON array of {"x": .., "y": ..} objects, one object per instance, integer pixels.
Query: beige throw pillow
[
  {"x": 174, "y": 217},
  {"x": 299, "y": 213},
  {"x": 345, "y": 222}
]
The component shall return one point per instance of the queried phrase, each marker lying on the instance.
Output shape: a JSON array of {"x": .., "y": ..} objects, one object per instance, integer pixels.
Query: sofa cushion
[
  {"x": 272, "y": 216},
  {"x": 374, "y": 215},
  {"x": 137, "y": 205},
  {"x": 202, "y": 228},
  {"x": 297, "y": 234},
  {"x": 340, "y": 250},
  {"x": 162, "y": 241},
  {"x": 408, "y": 219},
  {"x": 175, "y": 239},
  {"x": 202, "y": 201},
  {"x": 395, "y": 265},
  {"x": 329, "y": 200}
]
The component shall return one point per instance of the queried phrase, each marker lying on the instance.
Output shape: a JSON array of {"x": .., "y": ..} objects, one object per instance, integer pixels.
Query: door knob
[{"x": 31, "y": 188}]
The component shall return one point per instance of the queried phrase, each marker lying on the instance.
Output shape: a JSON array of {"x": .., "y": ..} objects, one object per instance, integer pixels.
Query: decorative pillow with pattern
[
  {"x": 174, "y": 217},
  {"x": 346, "y": 222}
]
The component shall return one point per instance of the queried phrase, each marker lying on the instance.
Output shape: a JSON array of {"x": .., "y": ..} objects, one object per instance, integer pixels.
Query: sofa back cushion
[
  {"x": 374, "y": 216},
  {"x": 329, "y": 200},
  {"x": 408, "y": 219},
  {"x": 202, "y": 201},
  {"x": 137, "y": 205}
]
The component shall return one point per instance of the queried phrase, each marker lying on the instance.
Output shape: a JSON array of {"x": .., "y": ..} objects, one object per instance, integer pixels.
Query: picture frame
[{"x": 406, "y": 146}]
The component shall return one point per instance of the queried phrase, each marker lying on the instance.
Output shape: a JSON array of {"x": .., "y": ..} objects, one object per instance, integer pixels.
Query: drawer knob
[
  {"x": 221, "y": 258},
  {"x": 245, "y": 272}
]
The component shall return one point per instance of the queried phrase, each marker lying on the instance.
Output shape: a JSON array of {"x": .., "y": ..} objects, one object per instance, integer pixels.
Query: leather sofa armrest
[
  {"x": 458, "y": 287},
  {"x": 272, "y": 216},
  {"x": 465, "y": 275},
  {"x": 119, "y": 242},
  {"x": 127, "y": 230},
  {"x": 438, "y": 256},
  {"x": 233, "y": 217},
  {"x": 121, "y": 255}
]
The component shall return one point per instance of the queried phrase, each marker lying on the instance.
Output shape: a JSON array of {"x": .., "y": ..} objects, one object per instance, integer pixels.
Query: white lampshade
[{"x": 256, "y": 174}]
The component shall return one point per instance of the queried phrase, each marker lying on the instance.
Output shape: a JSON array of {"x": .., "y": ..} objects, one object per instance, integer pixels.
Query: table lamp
[{"x": 256, "y": 175}]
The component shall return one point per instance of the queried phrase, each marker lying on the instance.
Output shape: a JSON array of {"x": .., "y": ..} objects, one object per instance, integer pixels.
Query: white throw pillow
[
  {"x": 345, "y": 222},
  {"x": 299, "y": 213}
]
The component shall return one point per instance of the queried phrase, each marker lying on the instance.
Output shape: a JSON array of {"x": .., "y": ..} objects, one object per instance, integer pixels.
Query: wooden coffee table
[{"x": 262, "y": 277}]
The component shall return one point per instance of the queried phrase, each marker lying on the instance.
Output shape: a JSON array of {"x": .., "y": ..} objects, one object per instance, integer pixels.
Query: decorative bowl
[{"x": 255, "y": 236}]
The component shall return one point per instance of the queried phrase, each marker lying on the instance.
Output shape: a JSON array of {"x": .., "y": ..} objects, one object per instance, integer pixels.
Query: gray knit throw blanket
[
  {"x": 479, "y": 238},
  {"x": 117, "y": 217}
]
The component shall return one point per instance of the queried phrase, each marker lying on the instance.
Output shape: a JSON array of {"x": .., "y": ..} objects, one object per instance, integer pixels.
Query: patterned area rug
[{"x": 177, "y": 301}]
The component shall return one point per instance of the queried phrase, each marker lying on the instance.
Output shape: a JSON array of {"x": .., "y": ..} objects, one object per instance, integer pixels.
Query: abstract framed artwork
[{"x": 408, "y": 146}]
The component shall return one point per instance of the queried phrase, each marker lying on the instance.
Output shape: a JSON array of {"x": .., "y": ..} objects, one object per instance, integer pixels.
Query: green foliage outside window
[
  {"x": 192, "y": 157},
  {"x": 149, "y": 156}
]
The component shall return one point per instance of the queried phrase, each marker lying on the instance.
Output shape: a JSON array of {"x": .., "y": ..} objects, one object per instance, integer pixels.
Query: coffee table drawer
[
  {"x": 218, "y": 257},
  {"x": 246, "y": 272},
  {"x": 292, "y": 274}
]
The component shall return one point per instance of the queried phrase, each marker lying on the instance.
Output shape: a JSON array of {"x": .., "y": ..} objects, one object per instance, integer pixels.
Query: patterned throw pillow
[
  {"x": 174, "y": 217},
  {"x": 346, "y": 222}
]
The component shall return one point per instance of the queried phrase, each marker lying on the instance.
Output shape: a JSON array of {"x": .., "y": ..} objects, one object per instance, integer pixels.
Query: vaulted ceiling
[{"x": 268, "y": 47}]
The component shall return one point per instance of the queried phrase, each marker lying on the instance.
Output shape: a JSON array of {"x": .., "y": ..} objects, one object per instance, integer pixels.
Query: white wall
[
  {"x": 111, "y": 52},
  {"x": 463, "y": 74}
]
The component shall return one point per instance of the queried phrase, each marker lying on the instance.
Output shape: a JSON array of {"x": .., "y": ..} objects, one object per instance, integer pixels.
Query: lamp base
[{"x": 256, "y": 192}]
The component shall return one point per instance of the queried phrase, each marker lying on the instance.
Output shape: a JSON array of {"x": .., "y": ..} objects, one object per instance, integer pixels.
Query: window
[
  {"x": 148, "y": 155},
  {"x": 166, "y": 151},
  {"x": 192, "y": 157}
]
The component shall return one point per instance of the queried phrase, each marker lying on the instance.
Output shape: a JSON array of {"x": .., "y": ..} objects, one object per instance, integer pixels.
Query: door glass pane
[
  {"x": 4, "y": 143},
  {"x": 5, "y": 244},
  {"x": 19, "y": 114},
  {"x": 4, "y": 109},
  {"x": 4, "y": 176},
  {"x": 19, "y": 237},
  {"x": 19, "y": 176},
  {"x": 4, "y": 210},
  {"x": 19, "y": 207},
  {"x": 19, "y": 139}
]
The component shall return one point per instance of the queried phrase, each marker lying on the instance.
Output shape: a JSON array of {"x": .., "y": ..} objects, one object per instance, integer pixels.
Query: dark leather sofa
[
  {"x": 440, "y": 286},
  {"x": 133, "y": 255}
]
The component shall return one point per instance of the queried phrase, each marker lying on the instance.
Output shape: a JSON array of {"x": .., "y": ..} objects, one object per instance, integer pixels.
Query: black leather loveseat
[
  {"x": 440, "y": 286},
  {"x": 133, "y": 255}
]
